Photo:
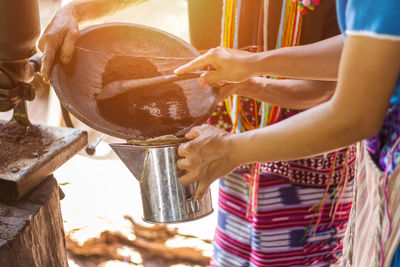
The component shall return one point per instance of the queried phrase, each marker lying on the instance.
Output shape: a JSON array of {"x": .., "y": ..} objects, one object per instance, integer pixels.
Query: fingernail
[
  {"x": 65, "y": 60},
  {"x": 45, "y": 78},
  {"x": 202, "y": 82}
]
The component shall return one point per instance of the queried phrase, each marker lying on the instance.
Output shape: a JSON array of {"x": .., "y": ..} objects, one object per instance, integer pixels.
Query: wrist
[
  {"x": 82, "y": 11},
  {"x": 268, "y": 63},
  {"x": 236, "y": 157},
  {"x": 256, "y": 64},
  {"x": 250, "y": 64},
  {"x": 71, "y": 10}
]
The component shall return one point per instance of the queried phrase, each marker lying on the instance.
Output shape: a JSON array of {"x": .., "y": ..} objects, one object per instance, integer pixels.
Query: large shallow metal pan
[{"x": 115, "y": 51}]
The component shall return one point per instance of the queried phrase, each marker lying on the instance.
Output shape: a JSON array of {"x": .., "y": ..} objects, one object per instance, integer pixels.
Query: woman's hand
[
  {"x": 226, "y": 65},
  {"x": 206, "y": 157},
  {"x": 228, "y": 89},
  {"x": 62, "y": 33}
]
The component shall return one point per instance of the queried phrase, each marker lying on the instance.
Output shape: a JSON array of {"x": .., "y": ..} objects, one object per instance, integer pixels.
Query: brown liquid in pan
[{"x": 154, "y": 110}]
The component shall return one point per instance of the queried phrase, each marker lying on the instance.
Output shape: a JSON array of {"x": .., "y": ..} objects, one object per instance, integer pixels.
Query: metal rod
[{"x": 20, "y": 115}]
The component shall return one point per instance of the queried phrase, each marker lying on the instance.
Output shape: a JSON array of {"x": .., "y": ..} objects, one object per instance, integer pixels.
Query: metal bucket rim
[{"x": 148, "y": 146}]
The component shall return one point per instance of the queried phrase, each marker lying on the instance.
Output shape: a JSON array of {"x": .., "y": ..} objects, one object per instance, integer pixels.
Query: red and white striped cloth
[
  {"x": 276, "y": 235},
  {"x": 370, "y": 224}
]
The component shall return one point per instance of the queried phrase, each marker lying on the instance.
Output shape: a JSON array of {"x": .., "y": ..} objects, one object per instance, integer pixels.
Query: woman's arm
[
  {"x": 356, "y": 111},
  {"x": 294, "y": 94},
  {"x": 369, "y": 70},
  {"x": 317, "y": 61},
  {"x": 63, "y": 31},
  {"x": 88, "y": 10}
]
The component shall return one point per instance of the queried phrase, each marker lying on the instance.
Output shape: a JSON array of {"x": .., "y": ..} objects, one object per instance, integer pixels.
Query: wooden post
[{"x": 31, "y": 229}]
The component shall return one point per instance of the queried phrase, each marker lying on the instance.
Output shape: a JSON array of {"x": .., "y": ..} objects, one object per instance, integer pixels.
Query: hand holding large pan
[{"x": 63, "y": 31}]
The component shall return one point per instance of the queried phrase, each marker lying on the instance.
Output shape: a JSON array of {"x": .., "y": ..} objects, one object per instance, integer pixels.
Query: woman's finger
[
  {"x": 190, "y": 177},
  {"x": 200, "y": 63},
  {"x": 202, "y": 82},
  {"x": 47, "y": 61},
  {"x": 193, "y": 133},
  {"x": 42, "y": 42},
  {"x": 201, "y": 190},
  {"x": 213, "y": 77},
  {"x": 182, "y": 150},
  {"x": 220, "y": 83},
  {"x": 68, "y": 46},
  {"x": 183, "y": 164},
  {"x": 186, "y": 149}
]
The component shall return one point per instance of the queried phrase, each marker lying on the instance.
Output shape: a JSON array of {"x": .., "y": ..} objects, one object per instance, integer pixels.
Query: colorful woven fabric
[
  {"x": 380, "y": 146},
  {"x": 277, "y": 236},
  {"x": 373, "y": 234},
  {"x": 396, "y": 258},
  {"x": 296, "y": 219}
]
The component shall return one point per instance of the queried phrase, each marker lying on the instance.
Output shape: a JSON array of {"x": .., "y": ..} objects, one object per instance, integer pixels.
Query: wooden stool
[{"x": 31, "y": 229}]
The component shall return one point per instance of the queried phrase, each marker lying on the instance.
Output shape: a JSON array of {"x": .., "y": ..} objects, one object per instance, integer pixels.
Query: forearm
[
  {"x": 356, "y": 111},
  {"x": 89, "y": 10},
  {"x": 317, "y": 61},
  {"x": 294, "y": 94},
  {"x": 307, "y": 134}
]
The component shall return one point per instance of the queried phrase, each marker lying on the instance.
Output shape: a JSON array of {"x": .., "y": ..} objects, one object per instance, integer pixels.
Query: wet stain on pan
[{"x": 152, "y": 110}]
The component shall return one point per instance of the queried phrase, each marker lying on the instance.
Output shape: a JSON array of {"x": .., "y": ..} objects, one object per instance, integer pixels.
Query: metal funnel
[{"x": 132, "y": 156}]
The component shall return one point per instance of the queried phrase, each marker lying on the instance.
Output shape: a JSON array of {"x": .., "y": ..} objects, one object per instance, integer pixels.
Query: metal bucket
[{"x": 164, "y": 198}]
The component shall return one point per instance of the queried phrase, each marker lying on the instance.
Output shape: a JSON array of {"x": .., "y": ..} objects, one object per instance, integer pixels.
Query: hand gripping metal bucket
[{"x": 164, "y": 198}]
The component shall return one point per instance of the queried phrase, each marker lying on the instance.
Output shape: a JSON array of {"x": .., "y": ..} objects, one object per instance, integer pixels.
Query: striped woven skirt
[
  {"x": 373, "y": 235},
  {"x": 282, "y": 231}
]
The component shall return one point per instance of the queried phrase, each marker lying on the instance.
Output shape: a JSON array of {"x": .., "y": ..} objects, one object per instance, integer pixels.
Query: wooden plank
[
  {"x": 24, "y": 174},
  {"x": 31, "y": 229}
]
